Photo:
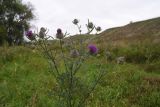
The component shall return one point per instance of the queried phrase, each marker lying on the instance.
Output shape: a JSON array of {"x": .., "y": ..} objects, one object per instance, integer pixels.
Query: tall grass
[{"x": 25, "y": 80}]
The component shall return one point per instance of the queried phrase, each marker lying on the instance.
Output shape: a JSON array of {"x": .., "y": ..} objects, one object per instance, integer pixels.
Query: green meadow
[{"x": 26, "y": 80}]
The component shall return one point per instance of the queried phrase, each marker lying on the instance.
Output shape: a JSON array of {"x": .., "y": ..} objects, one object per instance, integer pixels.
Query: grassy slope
[
  {"x": 134, "y": 31},
  {"x": 25, "y": 80}
]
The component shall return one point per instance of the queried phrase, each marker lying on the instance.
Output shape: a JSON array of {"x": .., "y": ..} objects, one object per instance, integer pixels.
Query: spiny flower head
[
  {"x": 42, "y": 33},
  {"x": 93, "y": 49},
  {"x": 90, "y": 25},
  {"x": 75, "y": 21},
  {"x": 30, "y": 35},
  {"x": 43, "y": 29},
  {"x": 59, "y": 34},
  {"x": 98, "y": 29}
]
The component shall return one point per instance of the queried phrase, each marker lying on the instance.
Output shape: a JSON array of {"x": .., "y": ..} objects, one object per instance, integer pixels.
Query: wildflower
[
  {"x": 42, "y": 33},
  {"x": 43, "y": 29},
  {"x": 30, "y": 35},
  {"x": 93, "y": 49},
  {"x": 75, "y": 21},
  {"x": 90, "y": 25},
  {"x": 74, "y": 53},
  {"x": 98, "y": 29},
  {"x": 59, "y": 34}
]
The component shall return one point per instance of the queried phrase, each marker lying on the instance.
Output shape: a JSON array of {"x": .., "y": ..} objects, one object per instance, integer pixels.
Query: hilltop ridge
[{"x": 133, "y": 31}]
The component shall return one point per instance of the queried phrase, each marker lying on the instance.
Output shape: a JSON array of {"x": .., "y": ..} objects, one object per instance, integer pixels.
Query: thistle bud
[
  {"x": 42, "y": 33},
  {"x": 43, "y": 29},
  {"x": 74, "y": 53},
  {"x": 75, "y": 21},
  {"x": 59, "y": 34},
  {"x": 90, "y": 25},
  {"x": 98, "y": 29}
]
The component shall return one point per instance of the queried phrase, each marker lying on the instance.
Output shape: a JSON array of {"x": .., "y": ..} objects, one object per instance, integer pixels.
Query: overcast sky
[{"x": 55, "y": 14}]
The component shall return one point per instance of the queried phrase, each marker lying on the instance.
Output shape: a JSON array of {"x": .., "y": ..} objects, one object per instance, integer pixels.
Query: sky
[{"x": 53, "y": 14}]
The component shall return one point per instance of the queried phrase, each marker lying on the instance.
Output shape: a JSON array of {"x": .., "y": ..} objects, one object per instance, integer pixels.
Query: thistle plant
[
  {"x": 98, "y": 29},
  {"x": 90, "y": 26},
  {"x": 76, "y": 21},
  {"x": 66, "y": 64}
]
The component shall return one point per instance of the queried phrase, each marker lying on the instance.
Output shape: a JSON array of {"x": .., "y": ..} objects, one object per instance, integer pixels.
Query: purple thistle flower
[
  {"x": 29, "y": 34},
  {"x": 93, "y": 49}
]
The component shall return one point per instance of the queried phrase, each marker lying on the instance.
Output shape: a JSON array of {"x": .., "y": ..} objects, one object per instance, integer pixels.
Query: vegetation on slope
[{"x": 25, "y": 80}]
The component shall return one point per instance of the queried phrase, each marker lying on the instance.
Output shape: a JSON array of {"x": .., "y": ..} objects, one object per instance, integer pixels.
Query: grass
[{"x": 25, "y": 80}]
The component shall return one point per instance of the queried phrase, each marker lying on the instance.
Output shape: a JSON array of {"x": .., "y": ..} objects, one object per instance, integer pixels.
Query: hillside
[{"x": 148, "y": 29}]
